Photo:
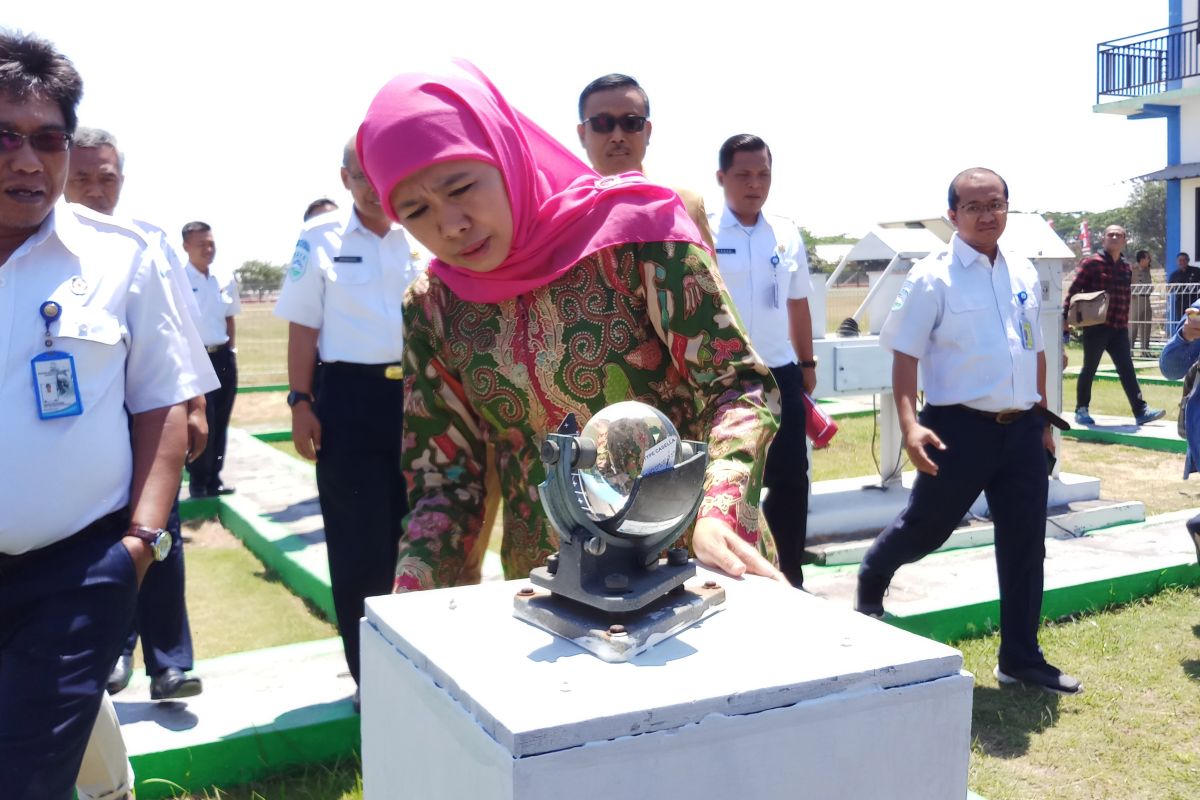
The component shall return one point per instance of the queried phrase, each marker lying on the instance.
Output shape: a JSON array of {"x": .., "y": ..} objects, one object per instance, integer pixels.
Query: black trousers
[
  {"x": 1008, "y": 464},
  {"x": 1097, "y": 340},
  {"x": 64, "y": 611},
  {"x": 362, "y": 491},
  {"x": 786, "y": 476},
  {"x": 205, "y": 472},
  {"x": 161, "y": 616}
]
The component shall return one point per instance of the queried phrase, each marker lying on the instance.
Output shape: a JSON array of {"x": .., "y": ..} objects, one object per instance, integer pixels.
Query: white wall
[
  {"x": 1187, "y": 218},
  {"x": 1189, "y": 131}
]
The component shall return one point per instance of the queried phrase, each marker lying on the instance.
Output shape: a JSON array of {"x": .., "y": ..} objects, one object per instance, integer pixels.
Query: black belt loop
[{"x": 117, "y": 519}]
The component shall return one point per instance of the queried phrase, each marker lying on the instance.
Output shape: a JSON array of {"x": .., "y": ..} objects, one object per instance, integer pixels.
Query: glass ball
[{"x": 631, "y": 439}]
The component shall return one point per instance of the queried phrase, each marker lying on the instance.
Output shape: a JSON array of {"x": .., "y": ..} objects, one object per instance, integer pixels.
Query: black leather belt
[
  {"x": 1012, "y": 415},
  {"x": 999, "y": 417},
  {"x": 117, "y": 519},
  {"x": 216, "y": 348},
  {"x": 391, "y": 372}
]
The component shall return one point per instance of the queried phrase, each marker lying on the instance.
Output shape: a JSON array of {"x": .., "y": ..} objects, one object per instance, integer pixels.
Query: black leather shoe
[
  {"x": 220, "y": 490},
  {"x": 868, "y": 596},
  {"x": 197, "y": 492},
  {"x": 121, "y": 675},
  {"x": 1043, "y": 676},
  {"x": 173, "y": 684}
]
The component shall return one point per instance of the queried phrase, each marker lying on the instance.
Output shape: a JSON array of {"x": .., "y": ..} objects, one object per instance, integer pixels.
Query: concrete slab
[
  {"x": 1162, "y": 435},
  {"x": 260, "y": 712},
  {"x": 953, "y": 594}
]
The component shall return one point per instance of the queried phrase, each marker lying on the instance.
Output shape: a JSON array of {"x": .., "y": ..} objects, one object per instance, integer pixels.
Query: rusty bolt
[
  {"x": 710, "y": 585},
  {"x": 525, "y": 591},
  {"x": 616, "y": 630}
]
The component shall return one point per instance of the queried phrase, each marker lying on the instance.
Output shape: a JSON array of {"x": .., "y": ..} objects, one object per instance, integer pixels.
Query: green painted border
[
  {"x": 261, "y": 536},
  {"x": 313, "y": 736},
  {"x": 1130, "y": 439},
  {"x": 946, "y": 625},
  {"x": 266, "y": 387},
  {"x": 273, "y": 436}
]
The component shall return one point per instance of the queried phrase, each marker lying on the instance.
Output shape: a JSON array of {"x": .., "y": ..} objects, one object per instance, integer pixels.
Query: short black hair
[
  {"x": 314, "y": 207},
  {"x": 613, "y": 80},
  {"x": 1185, "y": 255},
  {"x": 195, "y": 227},
  {"x": 1140, "y": 254},
  {"x": 952, "y": 195},
  {"x": 31, "y": 69},
  {"x": 740, "y": 143}
]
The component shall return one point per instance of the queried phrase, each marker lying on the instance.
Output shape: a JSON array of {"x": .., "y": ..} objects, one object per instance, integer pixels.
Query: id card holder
[
  {"x": 1026, "y": 334},
  {"x": 774, "y": 294},
  {"x": 55, "y": 385}
]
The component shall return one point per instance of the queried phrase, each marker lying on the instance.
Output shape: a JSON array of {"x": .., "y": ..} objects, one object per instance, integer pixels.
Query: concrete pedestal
[{"x": 778, "y": 695}]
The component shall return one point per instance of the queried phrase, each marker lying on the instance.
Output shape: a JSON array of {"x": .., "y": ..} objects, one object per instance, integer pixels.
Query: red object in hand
[{"x": 819, "y": 426}]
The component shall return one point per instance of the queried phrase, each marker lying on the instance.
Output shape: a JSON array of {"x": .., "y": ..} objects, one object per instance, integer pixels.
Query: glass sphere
[{"x": 631, "y": 439}]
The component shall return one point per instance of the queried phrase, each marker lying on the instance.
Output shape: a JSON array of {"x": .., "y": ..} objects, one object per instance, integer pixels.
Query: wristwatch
[
  {"x": 809, "y": 364},
  {"x": 295, "y": 397},
  {"x": 158, "y": 539}
]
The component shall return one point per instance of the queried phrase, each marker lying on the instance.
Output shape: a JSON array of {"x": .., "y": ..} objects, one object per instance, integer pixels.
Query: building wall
[
  {"x": 1189, "y": 129},
  {"x": 1187, "y": 221}
]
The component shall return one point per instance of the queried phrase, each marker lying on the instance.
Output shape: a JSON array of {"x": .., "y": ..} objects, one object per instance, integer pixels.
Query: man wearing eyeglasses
[
  {"x": 763, "y": 261},
  {"x": 341, "y": 298},
  {"x": 1108, "y": 271},
  {"x": 968, "y": 317},
  {"x": 89, "y": 317},
  {"x": 614, "y": 128}
]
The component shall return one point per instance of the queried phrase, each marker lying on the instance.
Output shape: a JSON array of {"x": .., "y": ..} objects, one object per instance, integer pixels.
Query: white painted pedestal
[{"x": 778, "y": 695}]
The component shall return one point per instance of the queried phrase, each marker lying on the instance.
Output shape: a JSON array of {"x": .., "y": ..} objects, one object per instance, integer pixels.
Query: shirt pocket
[
  {"x": 968, "y": 315},
  {"x": 98, "y": 342},
  {"x": 350, "y": 273}
]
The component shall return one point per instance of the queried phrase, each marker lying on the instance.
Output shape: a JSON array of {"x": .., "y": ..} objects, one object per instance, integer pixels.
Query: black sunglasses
[
  {"x": 42, "y": 141},
  {"x": 604, "y": 123}
]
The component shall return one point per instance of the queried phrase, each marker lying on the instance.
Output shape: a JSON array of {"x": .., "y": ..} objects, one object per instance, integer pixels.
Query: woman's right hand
[{"x": 717, "y": 546}]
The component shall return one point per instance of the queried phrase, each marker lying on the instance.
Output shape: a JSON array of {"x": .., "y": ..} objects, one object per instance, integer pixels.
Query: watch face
[{"x": 162, "y": 545}]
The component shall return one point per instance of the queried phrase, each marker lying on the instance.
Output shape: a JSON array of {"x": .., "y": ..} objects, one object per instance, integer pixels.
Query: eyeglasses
[
  {"x": 604, "y": 123},
  {"x": 42, "y": 141},
  {"x": 994, "y": 207}
]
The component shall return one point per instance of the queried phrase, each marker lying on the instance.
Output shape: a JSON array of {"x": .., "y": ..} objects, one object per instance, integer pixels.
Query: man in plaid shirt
[{"x": 1109, "y": 272}]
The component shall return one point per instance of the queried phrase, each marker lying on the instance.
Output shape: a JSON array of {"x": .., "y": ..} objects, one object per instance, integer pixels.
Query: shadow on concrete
[
  {"x": 299, "y": 541},
  {"x": 296, "y": 511},
  {"x": 1005, "y": 718},
  {"x": 172, "y": 715}
]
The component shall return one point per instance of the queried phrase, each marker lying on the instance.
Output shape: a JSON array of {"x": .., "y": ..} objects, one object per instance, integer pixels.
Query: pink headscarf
[{"x": 562, "y": 210}]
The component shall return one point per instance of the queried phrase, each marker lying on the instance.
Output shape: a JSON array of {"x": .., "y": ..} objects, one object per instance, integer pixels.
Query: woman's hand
[{"x": 717, "y": 546}]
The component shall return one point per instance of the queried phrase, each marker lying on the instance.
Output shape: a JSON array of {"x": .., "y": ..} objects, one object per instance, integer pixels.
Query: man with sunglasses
[
  {"x": 91, "y": 331},
  {"x": 968, "y": 318},
  {"x": 341, "y": 298},
  {"x": 763, "y": 261},
  {"x": 614, "y": 128}
]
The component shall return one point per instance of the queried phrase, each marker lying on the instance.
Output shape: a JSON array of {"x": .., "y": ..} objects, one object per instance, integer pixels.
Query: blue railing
[{"x": 1147, "y": 63}]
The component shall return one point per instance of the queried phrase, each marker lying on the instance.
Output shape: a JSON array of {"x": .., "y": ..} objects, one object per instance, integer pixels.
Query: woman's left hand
[{"x": 717, "y": 546}]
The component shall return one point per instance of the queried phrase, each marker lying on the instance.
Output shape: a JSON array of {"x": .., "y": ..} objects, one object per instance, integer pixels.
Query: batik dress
[{"x": 647, "y": 322}]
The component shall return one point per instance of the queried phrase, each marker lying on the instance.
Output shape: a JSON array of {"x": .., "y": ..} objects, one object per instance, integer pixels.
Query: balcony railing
[{"x": 1147, "y": 63}]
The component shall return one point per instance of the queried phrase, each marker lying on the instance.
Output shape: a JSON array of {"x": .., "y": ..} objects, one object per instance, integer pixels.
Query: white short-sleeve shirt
[
  {"x": 763, "y": 267},
  {"x": 965, "y": 320},
  {"x": 216, "y": 299},
  {"x": 124, "y": 330},
  {"x": 349, "y": 283}
]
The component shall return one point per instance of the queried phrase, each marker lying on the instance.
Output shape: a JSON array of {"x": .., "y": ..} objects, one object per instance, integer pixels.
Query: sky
[{"x": 235, "y": 113}]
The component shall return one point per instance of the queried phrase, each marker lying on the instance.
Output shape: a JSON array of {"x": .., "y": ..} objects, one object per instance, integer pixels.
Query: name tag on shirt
[
  {"x": 726, "y": 251},
  {"x": 55, "y": 385},
  {"x": 348, "y": 259},
  {"x": 1026, "y": 334}
]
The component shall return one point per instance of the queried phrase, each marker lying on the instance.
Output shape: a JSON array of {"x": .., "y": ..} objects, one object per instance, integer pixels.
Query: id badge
[
  {"x": 1026, "y": 334},
  {"x": 55, "y": 385},
  {"x": 775, "y": 294}
]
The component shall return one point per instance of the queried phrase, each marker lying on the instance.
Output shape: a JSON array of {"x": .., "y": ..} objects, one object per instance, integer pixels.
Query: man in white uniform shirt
[
  {"x": 968, "y": 315},
  {"x": 342, "y": 296},
  {"x": 88, "y": 307},
  {"x": 762, "y": 259},
  {"x": 218, "y": 304}
]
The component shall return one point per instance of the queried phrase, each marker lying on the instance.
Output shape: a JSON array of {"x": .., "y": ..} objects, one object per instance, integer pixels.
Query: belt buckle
[
  {"x": 1007, "y": 417},
  {"x": 393, "y": 372}
]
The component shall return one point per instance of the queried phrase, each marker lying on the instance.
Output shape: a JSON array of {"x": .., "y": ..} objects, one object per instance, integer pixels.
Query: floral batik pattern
[{"x": 647, "y": 322}]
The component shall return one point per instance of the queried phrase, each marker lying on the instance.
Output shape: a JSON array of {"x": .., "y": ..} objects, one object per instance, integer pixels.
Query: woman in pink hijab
[{"x": 552, "y": 291}]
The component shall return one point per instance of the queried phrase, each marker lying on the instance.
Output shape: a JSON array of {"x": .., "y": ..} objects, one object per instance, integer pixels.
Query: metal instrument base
[{"x": 618, "y": 637}]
